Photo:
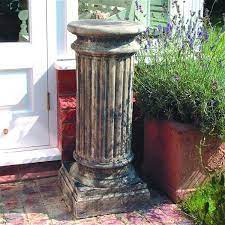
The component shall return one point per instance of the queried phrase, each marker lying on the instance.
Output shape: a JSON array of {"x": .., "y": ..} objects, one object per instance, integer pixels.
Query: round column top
[{"x": 105, "y": 28}]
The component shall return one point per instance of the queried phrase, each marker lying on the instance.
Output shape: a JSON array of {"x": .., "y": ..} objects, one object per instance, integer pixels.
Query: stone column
[{"x": 103, "y": 180}]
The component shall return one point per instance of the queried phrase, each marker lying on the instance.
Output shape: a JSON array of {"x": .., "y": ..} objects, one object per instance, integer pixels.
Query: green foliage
[
  {"x": 207, "y": 204},
  {"x": 180, "y": 75}
]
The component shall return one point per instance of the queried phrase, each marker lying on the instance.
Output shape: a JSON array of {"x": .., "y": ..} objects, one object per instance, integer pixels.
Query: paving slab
[{"x": 40, "y": 202}]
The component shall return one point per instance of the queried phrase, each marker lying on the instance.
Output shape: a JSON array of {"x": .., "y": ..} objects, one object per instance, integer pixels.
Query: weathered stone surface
[
  {"x": 102, "y": 28},
  {"x": 103, "y": 179},
  {"x": 85, "y": 201}
]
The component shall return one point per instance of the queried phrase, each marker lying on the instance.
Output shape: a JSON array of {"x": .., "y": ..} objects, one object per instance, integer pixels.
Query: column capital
[
  {"x": 102, "y": 37},
  {"x": 105, "y": 28}
]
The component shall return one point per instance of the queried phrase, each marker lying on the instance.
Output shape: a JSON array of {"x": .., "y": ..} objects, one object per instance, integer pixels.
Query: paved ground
[{"x": 39, "y": 202}]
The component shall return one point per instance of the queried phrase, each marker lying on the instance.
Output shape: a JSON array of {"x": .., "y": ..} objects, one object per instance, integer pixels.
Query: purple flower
[
  {"x": 168, "y": 28},
  {"x": 191, "y": 42},
  {"x": 148, "y": 45},
  {"x": 159, "y": 27},
  {"x": 200, "y": 33},
  {"x": 206, "y": 35},
  {"x": 146, "y": 32},
  {"x": 188, "y": 36}
]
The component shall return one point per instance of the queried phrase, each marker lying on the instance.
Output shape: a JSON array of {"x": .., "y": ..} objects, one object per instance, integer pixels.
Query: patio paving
[{"x": 39, "y": 202}]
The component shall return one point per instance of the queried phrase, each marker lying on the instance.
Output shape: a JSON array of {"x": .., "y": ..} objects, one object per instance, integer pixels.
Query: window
[{"x": 14, "y": 24}]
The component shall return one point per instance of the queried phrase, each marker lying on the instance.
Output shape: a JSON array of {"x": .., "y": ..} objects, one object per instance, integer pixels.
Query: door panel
[
  {"x": 23, "y": 81},
  {"x": 18, "y": 84}
]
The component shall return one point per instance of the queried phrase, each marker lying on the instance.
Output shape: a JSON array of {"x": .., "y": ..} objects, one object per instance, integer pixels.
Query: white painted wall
[{"x": 187, "y": 6}]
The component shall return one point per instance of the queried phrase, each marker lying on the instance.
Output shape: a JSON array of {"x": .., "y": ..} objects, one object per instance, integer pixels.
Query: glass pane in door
[{"x": 14, "y": 21}]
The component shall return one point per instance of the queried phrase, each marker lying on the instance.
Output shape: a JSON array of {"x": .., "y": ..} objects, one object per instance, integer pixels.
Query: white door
[{"x": 24, "y": 121}]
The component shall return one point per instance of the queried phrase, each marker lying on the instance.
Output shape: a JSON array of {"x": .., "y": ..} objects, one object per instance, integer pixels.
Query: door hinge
[{"x": 48, "y": 102}]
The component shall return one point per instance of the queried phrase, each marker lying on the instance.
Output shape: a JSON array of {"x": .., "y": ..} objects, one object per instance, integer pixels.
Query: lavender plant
[{"x": 180, "y": 73}]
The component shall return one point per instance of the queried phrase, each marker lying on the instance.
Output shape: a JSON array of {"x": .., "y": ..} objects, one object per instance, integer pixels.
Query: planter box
[{"x": 171, "y": 158}]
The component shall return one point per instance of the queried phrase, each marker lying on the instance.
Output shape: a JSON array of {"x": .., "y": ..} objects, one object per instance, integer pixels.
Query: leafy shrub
[
  {"x": 207, "y": 204},
  {"x": 180, "y": 74}
]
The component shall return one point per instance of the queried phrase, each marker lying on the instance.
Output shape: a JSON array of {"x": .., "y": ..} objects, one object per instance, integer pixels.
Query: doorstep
[
  {"x": 29, "y": 164},
  {"x": 29, "y": 171},
  {"x": 23, "y": 156}
]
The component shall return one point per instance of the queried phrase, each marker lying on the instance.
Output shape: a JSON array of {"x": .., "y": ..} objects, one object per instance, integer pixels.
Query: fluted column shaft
[{"x": 104, "y": 110}]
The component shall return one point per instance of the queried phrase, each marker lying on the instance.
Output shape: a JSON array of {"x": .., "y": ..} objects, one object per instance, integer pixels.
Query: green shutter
[
  {"x": 159, "y": 12},
  {"x": 155, "y": 12}
]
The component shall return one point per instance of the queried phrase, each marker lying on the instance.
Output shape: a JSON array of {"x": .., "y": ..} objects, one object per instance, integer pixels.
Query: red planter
[{"x": 171, "y": 158}]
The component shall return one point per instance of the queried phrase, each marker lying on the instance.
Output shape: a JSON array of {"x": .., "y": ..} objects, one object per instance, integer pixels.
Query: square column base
[{"x": 86, "y": 201}]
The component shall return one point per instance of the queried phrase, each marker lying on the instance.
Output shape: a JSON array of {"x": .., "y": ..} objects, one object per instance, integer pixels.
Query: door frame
[
  {"x": 51, "y": 73},
  {"x": 71, "y": 13}
]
